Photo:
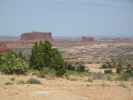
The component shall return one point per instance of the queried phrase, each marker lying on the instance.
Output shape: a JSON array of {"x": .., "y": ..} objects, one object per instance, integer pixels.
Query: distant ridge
[{"x": 8, "y": 38}]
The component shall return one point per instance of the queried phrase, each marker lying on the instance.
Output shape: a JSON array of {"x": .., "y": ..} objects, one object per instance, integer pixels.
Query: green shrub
[
  {"x": 81, "y": 68},
  {"x": 108, "y": 71},
  {"x": 108, "y": 64},
  {"x": 124, "y": 77},
  {"x": 42, "y": 73},
  {"x": 69, "y": 66},
  {"x": 60, "y": 72},
  {"x": 104, "y": 66},
  {"x": 109, "y": 77},
  {"x": 11, "y": 64}
]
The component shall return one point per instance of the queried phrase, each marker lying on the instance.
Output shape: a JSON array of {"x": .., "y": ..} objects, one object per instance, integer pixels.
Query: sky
[{"x": 67, "y": 17}]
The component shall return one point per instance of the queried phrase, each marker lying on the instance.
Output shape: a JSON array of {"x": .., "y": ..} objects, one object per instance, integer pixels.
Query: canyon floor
[{"x": 63, "y": 89}]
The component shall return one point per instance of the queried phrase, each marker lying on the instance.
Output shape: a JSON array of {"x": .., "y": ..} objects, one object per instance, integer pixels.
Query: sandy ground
[{"x": 62, "y": 89}]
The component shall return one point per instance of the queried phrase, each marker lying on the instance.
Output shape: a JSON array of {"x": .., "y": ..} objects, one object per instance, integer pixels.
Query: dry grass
[{"x": 63, "y": 89}]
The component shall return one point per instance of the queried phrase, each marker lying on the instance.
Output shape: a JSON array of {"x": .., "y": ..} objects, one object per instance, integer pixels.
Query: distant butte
[
  {"x": 37, "y": 36},
  {"x": 85, "y": 39},
  {"x": 26, "y": 41}
]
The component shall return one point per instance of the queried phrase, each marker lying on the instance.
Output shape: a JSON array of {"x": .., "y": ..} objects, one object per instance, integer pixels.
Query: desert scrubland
[
  {"x": 13, "y": 88},
  {"x": 91, "y": 84}
]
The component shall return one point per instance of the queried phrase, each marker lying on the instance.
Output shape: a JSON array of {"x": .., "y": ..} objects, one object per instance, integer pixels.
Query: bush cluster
[
  {"x": 124, "y": 70},
  {"x": 44, "y": 59},
  {"x": 75, "y": 67},
  {"x": 10, "y": 63}
]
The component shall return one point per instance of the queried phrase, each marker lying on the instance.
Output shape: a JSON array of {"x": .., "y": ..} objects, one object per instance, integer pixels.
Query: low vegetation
[
  {"x": 124, "y": 70},
  {"x": 46, "y": 61}
]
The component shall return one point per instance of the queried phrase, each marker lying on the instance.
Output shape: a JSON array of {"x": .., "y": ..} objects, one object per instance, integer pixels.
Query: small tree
[
  {"x": 34, "y": 59},
  {"x": 43, "y": 55}
]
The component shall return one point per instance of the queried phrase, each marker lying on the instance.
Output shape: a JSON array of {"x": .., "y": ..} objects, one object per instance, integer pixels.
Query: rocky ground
[
  {"x": 98, "y": 52},
  {"x": 13, "y": 88}
]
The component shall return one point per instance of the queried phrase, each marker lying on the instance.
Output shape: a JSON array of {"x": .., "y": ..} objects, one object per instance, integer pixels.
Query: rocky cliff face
[{"x": 37, "y": 36}]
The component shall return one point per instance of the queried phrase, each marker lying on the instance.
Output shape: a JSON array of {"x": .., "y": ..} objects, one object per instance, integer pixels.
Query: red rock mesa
[
  {"x": 37, "y": 36},
  {"x": 26, "y": 41}
]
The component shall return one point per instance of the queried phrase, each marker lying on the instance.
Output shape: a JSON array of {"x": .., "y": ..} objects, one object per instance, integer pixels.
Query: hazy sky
[{"x": 67, "y": 17}]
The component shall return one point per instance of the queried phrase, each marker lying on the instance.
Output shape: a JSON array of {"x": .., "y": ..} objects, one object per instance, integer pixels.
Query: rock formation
[
  {"x": 37, "y": 36},
  {"x": 85, "y": 39},
  {"x": 3, "y": 48},
  {"x": 26, "y": 41}
]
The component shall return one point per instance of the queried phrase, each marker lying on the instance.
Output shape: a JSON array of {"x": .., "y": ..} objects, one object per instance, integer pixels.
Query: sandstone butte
[
  {"x": 26, "y": 41},
  {"x": 37, "y": 36}
]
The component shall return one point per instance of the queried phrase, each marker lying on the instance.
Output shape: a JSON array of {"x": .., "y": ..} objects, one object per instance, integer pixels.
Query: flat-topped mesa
[
  {"x": 85, "y": 39},
  {"x": 37, "y": 36}
]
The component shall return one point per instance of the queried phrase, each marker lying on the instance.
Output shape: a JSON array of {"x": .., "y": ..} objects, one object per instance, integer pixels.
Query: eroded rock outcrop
[{"x": 37, "y": 36}]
